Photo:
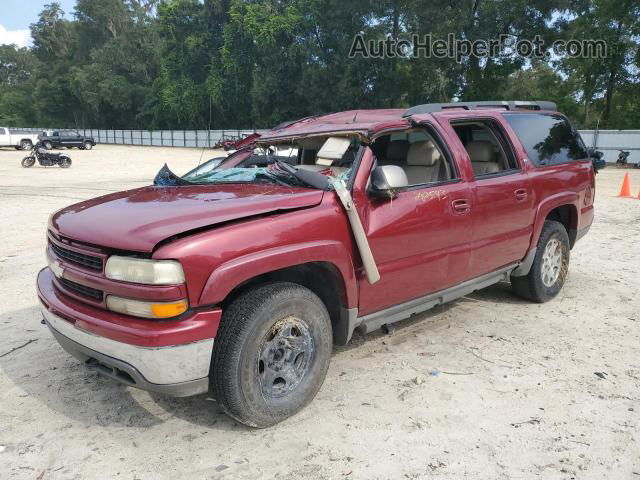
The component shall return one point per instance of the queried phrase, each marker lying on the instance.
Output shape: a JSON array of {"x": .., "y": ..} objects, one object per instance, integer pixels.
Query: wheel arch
[
  {"x": 325, "y": 268},
  {"x": 561, "y": 208}
]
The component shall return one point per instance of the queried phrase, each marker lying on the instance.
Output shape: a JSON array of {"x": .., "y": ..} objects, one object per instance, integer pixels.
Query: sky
[{"x": 17, "y": 15}]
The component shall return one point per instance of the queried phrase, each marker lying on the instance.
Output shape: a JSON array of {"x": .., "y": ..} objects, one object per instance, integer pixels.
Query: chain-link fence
[
  {"x": 608, "y": 141},
  {"x": 155, "y": 138}
]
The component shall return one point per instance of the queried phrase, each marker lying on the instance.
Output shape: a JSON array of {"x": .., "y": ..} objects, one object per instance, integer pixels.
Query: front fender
[{"x": 230, "y": 274}]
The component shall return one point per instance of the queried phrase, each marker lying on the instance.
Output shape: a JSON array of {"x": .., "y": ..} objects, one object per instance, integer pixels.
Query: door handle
[
  {"x": 461, "y": 206},
  {"x": 521, "y": 194}
]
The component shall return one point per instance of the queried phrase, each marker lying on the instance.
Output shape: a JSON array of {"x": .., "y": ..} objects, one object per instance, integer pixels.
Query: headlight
[
  {"x": 146, "y": 309},
  {"x": 140, "y": 270}
]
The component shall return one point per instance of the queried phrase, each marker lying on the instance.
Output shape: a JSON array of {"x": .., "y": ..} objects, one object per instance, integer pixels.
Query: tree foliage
[{"x": 255, "y": 63}]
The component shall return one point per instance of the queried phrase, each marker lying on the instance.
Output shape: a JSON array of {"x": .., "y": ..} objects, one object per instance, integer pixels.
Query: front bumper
[{"x": 154, "y": 364}]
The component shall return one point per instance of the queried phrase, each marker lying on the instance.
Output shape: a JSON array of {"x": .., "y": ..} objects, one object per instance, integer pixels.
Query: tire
[
  {"x": 87, "y": 146},
  {"x": 26, "y": 145},
  {"x": 271, "y": 353},
  {"x": 550, "y": 265},
  {"x": 47, "y": 145},
  {"x": 65, "y": 162},
  {"x": 28, "y": 162}
]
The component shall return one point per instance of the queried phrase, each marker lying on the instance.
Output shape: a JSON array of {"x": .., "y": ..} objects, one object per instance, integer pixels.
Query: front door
[{"x": 420, "y": 239}]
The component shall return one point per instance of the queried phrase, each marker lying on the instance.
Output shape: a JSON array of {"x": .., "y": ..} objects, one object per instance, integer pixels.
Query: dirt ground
[{"x": 487, "y": 387}]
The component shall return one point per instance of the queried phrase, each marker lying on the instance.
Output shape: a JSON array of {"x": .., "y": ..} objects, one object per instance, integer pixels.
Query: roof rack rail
[{"x": 506, "y": 104}]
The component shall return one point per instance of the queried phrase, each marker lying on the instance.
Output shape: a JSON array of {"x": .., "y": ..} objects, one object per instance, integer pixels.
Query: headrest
[
  {"x": 423, "y": 154},
  {"x": 333, "y": 149},
  {"x": 397, "y": 150},
  {"x": 480, "y": 151}
]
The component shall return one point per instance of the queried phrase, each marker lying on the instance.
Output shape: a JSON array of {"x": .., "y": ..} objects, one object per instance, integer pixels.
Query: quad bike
[
  {"x": 622, "y": 159},
  {"x": 45, "y": 158}
]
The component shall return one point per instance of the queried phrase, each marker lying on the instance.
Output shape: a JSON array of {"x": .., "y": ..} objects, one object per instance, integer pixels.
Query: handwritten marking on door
[{"x": 430, "y": 195}]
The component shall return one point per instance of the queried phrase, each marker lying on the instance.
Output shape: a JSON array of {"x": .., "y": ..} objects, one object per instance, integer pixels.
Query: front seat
[
  {"x": 424, "y": 164},
  {"x": 396, "y": 152},
  {"x": 481, "y": 155}
]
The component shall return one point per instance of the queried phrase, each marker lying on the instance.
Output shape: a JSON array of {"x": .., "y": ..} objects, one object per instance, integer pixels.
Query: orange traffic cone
[{"x": 625, "y": 191}]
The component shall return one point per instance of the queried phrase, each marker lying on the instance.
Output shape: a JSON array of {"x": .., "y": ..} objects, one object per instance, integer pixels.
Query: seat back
[
  {"x": 424, "y": 164},
  {"x": 397, "y": 152},
  {"x": 481, "y": 155}
]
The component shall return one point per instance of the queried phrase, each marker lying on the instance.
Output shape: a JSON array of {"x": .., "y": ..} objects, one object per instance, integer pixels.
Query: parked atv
[
  {"x": 622, "y": 160},
  {"x": 45, "y": 158}
]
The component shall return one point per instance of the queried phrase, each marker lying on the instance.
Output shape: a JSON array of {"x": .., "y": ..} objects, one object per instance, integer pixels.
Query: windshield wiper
[{"x": 313, "y": 179}]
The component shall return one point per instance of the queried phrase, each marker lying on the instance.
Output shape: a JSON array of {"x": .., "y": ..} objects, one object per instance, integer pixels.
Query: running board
[{"x": 374, "y": 321}]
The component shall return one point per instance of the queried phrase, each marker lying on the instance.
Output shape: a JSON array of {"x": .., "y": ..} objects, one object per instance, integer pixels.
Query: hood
[{"x": 137, "y": 220}]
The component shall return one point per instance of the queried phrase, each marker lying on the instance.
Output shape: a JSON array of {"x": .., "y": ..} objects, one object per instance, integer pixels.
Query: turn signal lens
[
  {"x": 137, "y": 308},
  {"x": 168, "y": 310}
]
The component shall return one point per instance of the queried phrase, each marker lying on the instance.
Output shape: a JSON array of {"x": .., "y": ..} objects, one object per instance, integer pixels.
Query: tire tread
[{"x": 231, "y": 335}]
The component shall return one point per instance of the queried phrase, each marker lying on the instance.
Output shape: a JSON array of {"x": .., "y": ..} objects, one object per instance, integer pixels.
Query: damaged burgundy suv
[{"x": 239, "y": 278}]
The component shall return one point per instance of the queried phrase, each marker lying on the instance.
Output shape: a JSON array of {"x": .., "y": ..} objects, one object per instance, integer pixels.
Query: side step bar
[{"x": 374, "y": 321}]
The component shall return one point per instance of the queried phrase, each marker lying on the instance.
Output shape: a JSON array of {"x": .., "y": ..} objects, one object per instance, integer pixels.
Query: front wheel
[
  {"x": 271, "y": 353},
  {"x": 47, "y": 145},
  {"x": 65, "y": 162},
  {"x": 28, "y": 162},
  {"x": 550, "y": 265}
]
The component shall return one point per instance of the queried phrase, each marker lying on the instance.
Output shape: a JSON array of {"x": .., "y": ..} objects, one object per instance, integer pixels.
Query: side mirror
[
  {"x": 596, "y": 158},
  {"x": 386, "y": 180}
]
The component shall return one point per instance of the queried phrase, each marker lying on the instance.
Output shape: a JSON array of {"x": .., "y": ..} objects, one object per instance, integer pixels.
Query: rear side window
[{"x": 548, "y": 139}]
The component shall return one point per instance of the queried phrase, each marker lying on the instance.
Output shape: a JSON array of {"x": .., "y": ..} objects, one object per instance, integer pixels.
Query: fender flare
[
  {"x": 229, "y": 275},
  {"x": 543, "y": 210},
  {"x": 550, "y": 203}
]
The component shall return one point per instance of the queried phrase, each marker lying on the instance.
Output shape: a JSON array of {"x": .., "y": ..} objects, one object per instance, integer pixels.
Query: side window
[
  {"x": 417, "y": 153},
  {"x": 3, "y": 131},
  {"x": 548, "y": 139},
  {"x": 56, "y": 134},
  {"x": 488, "y": 149}
]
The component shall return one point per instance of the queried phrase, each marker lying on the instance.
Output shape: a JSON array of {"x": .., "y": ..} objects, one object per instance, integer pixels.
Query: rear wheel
[
  {"x": 550, "y": 266},
  {"x": 28, "y": 162},
  {"x": 88, "y": 146},
  {"x": 271, "y": 353},
  {"x": 65, "y": 162},
  {"x": 47, "y": 145},
  {"x": 26, "y": 145}
]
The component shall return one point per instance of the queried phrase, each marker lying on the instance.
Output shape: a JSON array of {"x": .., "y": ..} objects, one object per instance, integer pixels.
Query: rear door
[
  {"x": 75, "y": 140},
  {"x": 5, "y": 138},
  {"x": 67, "y": 139},
  {"x": 502, "y": 195}
]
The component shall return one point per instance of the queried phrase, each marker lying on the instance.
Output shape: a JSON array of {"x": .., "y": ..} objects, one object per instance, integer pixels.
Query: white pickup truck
[{"x": 19, "y": 141}]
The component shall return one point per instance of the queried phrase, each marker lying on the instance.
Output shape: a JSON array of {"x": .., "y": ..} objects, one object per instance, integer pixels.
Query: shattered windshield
[
  {"x": 294, "y": 162},
  {"x": 246, "y": 175},
  {"x": 167, "y": 178}
]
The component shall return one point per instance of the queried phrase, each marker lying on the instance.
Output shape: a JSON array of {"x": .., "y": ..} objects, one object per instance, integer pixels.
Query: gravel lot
[{"x": 488, "y": 386}]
